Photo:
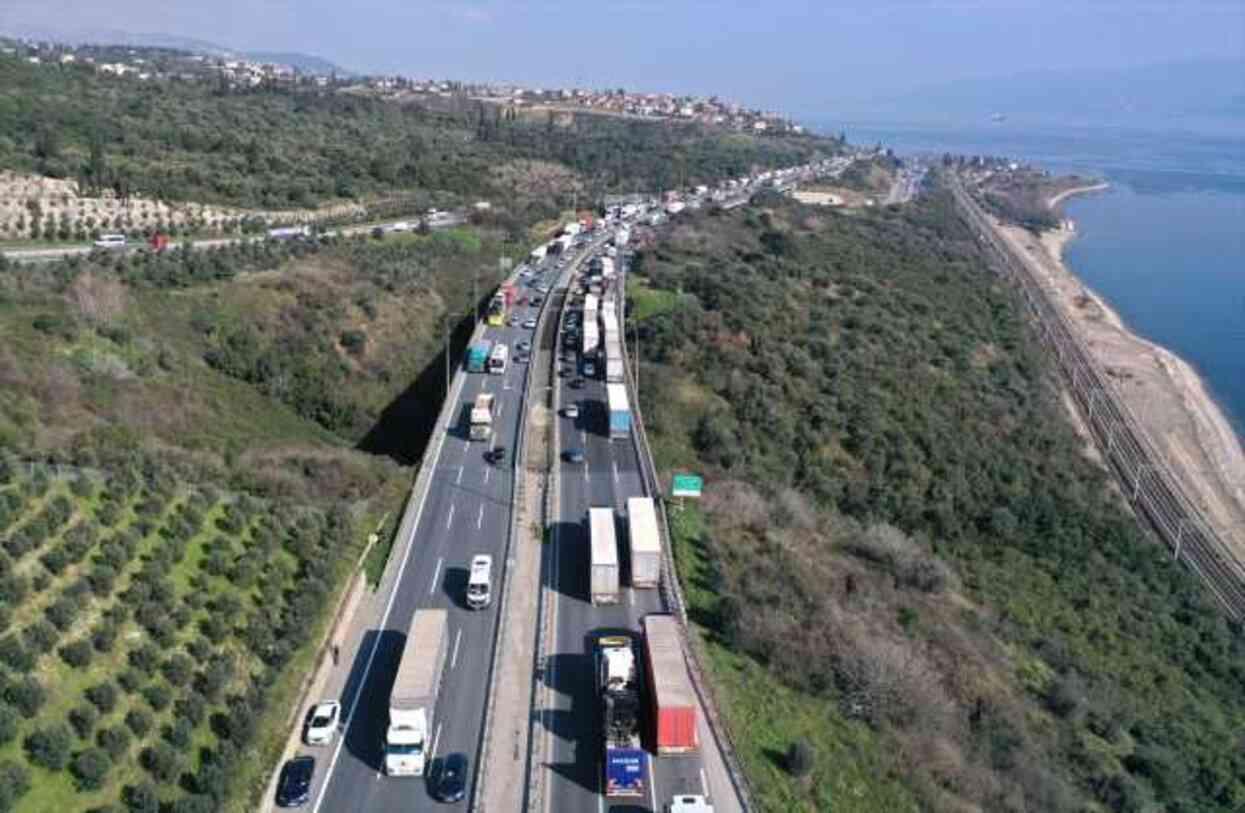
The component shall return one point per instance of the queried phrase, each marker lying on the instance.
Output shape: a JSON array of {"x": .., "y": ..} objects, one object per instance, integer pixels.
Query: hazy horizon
[{"x": 789, "y": 56}]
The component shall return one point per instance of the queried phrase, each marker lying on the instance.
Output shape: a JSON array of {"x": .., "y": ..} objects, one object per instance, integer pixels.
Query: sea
[{"x": 1164, "y": 245}]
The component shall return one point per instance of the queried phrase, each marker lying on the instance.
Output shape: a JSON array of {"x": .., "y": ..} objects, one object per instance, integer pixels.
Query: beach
[{"x": 1164, "y": 392}]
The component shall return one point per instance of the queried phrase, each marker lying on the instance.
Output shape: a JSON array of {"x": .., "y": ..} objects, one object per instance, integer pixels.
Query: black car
[
  {"x": 450, "y": 782},
  {"x": 294, "y": 788},
  {"x": 573, "y": 455},
  {"x": 576, "y": 383},
  {"x": 495, "y": 455}
]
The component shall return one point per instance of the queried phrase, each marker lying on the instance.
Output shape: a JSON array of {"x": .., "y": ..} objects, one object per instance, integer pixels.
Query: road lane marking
[
  {"x": 450, "y": 519},
  {"x": 458, "y": 480},
  {"x": 652, "y": 785},
  {"x": 436, "y": 738},
  {"x": 704, "y": 786},
  {"x": 600, "y": 795},
  {"x": 480, "y": 518},
  {"x": 500, "y": 407},
  {"x": 432, "y": 588},
  {"x": 458, "y": 639},
  {"x": 384, "y": 622},
  {"x": 487, "y": 469},
  {"x": 615, "y": 462}
]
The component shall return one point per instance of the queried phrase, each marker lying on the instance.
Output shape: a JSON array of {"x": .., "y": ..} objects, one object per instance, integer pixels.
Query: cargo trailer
[{"x": 674, "y": 706}]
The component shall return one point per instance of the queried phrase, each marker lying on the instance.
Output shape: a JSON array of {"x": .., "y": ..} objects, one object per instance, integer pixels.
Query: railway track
[{"x": 1144, "y": 474}]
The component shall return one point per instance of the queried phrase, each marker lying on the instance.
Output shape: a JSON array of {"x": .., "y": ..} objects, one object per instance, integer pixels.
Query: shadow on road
[
  {"x": 573, "y": 558},
  {"x": 371, "y": 716},
  {"x": 454, "y": 586}
]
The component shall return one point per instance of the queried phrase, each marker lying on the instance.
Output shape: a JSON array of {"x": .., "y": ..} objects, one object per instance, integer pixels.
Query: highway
[
  {"x": 573, "y": 751},
  {"x": 466, "y": 511}
]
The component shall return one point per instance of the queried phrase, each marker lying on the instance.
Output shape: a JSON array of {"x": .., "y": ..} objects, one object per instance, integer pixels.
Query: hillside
[
  {"x": 189, "y": 442},
  {"x": 915, "y": 590},
  {"x": 296, "y": 147}
]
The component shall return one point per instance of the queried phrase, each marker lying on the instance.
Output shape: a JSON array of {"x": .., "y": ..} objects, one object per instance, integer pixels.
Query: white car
[
  {"x": 530, "y": 324},
  {"x": 571, "y": 411},
  {"x": 401, "y": 226},
  {"x": 322, "y": 726}
]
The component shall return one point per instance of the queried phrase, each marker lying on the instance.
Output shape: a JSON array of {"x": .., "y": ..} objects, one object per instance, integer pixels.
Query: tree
[
  {"x": 158, "y": 696},
  {"x": 800, "y": 758},
  {"x": 141, "y": 798},
  {"x": 77, "y": 653},
  {"x": 115, "y": 740},
  {"x": 50, "y": 746},
  {"x": 161, "y": 761},
  {"x": 9, "y": 721},
  {"x": 83, "y": 719},
  {"x": 90, "y": 768},
  {"x": 14, "y": 783},
  {"x": 103, "y": 696},
  {"x": 138, "y": 721}
]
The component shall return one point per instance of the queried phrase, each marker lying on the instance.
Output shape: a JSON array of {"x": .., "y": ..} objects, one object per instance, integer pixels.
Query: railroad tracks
[{"x": 1144, "y": 474}]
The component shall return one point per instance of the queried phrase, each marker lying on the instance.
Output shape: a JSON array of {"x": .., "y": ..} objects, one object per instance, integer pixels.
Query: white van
[
  {"x": 480, "y": 582},
  {"x": 110, "y": 241}
]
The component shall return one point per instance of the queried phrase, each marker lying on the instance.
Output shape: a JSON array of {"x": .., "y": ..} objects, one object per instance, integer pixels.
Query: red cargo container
[
  {"x": 674, "y": 700},
  {"x": 508, "y": 291}
]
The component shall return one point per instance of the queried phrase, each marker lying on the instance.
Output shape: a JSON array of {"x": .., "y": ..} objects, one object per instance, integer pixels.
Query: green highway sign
[{"x": 687, "y": 485}]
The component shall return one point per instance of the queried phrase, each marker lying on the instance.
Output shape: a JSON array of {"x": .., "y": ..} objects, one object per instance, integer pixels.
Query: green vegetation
[
  {"x": 283, "y": 147},
  {"x": 902, "y": 556},
  {"x": 147, "y": 628}
]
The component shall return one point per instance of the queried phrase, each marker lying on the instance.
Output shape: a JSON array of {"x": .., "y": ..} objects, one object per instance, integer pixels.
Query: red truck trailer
[{"x": 673, "y": 699}]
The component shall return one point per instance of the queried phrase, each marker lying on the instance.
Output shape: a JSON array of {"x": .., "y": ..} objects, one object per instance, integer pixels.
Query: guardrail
[
  {"x": 672, "y": 592},
  {"x": 1144, "y": 473},
  {"x": 518, "y": 495}
]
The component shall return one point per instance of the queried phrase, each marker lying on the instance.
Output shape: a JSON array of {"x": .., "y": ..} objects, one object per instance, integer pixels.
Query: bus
[{"x": 498, "y": 358}]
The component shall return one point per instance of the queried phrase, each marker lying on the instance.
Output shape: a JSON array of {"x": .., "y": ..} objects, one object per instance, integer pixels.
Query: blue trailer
[
  {"x": 477, "y": 356},
  {"x": 619, "y": 409}
]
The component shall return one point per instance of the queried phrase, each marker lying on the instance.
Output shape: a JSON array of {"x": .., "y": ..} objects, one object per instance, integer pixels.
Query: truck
[
  {"x": 572, "y": 229},
  {"x": 482, "y": 417},
  {"x": 538, "y": 253},
  {"x": 414, "y": 694},
  {"x": 619, "y": 410},
  {"x": 689, "y": 804},
  {"x": 477, "y": 356},
  {"x": 289, "y": 232},
  {"x": 626, "y": 761},
  {"x": 592, "y": 336},
  {"x": 644, "y": 541},
  {"x": 614, "y": 372},
  {"x": 673, "y": 711},
  {"x": 603, "y": 578}
]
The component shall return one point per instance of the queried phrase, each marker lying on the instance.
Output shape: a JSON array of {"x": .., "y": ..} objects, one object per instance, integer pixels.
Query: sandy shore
[{"x": 1162, "y": 390}]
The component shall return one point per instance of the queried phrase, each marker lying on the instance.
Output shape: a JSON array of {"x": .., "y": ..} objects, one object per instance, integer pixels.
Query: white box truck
[
  {"x": 603, "y": 580},
  {"x": 414, "y": 694},
  {"x": 645, "y": 543}
]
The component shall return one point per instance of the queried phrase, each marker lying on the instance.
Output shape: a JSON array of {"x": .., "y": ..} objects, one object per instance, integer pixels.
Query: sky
[{"x": 793, "y": 56}]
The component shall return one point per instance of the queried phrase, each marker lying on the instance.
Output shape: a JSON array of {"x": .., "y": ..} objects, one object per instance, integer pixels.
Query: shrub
[
  {"x": 14, "y": 655},
  {"x": 161, "y": 761},
  {"x": 144, "y": 658},
  {"x": 77, "y": 653},
  {"x": 193, "y": 707},
  {"x": 115, "y": 740},
  {"x": 158, "y": 696},
  {"x": 141, "y": 798},
  {"x": 104, "y": 637},
  {"x": 83, "y": 719},
  {"x": 138, "y": 721},
  {"x": 103, "y": 696},
  {"x": 9, "y": 721},
  {"x": 49, "y": 747},
  {"x": 180, "y": 733},
  {"x": 799, "y": 759},
  {"x": 14, "y": 783},
  {"x": 63, "y": 612},
  {"x": 41, "y": 636},
  {"x": 131, "y": 680},
  {"x": 26, "y": 695},
  {"x": 90, "y": 768}
]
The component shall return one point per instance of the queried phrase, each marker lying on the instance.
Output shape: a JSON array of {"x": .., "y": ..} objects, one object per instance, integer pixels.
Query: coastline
[{"x": 1163, "y": 391}]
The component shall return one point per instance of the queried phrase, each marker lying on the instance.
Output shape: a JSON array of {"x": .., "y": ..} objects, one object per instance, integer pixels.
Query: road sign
[{"x": 687, "y": 485}]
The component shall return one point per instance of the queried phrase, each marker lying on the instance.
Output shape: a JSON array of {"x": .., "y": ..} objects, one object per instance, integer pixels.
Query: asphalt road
[
  {"x": 609, "y": 475},
  {"x": 466, "y": 512}
]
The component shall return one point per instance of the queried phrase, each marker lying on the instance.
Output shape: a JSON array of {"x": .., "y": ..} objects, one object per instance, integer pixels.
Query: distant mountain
[
  {"x": 1152, "y": 93},
  {"x": 306, "y": 63}
]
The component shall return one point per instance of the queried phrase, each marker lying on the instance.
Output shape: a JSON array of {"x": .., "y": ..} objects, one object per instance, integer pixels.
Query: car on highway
[
  {"x": 513, "y": 321},
  {"x": 495, "y": 455},
  {"x": 530, "y": 324},
  {"x": 570, "y": 411},
  {"x": 522, "y": 358},
  {"x": 110, "y": 241},
  {"x": 576, "y": 383},
  {"x": 523, "y": 346},
  {"x": 590, "y": 369},
  {"x": 322, "y": 722},
  {"x": 573, "y": 455},
  {"x": 537, "y": 301},
  {"x": 449, "y": 781},
  {"x": 294, "y": 786}
]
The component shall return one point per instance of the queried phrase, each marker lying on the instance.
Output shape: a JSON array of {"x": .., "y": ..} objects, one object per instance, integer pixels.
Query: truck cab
[
  {"x": 479, "y": 582},
  {"x": 405, "y": 742}
]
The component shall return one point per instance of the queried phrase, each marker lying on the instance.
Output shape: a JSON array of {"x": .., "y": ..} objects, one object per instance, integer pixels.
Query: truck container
[
  {"x": 689, "y": 804},
  {"x": 625, "y": 761},
  {"x": 603, "y": 580},
  {"x": 414, "y": 694},
  {"x": 571, "y": 229},
  {"x": 289, "y": 232},
  {"x": 509, "y": 293},
  {"x": 592, "y": 337},
  {"x": 673, "y": 699},
  {"x": 482, "y": 417},
  {"x": 620, "y": 410},
  {"x": 644, "y": 541},
  {"x": 477, "y": 356},
  {"x": 614, "y": 372}
]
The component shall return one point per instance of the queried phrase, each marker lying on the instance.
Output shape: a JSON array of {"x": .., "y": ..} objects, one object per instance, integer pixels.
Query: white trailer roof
[
  {"x": 616, "y": 395},
  {"x": 604, "y": 542},
  {"x": 416, "y": 681},
  {"x": 642, "y": 525}
]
